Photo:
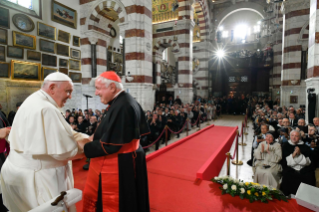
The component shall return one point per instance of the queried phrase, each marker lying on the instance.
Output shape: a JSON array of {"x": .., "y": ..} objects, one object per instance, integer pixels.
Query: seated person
[
  {"x": 258, "y": 138},
  {"x": 311, "y": 135},
  {"x": 283, "y": 136},
  {"x": 267, "y": 168},
  {"x": 297, "y": 163}
]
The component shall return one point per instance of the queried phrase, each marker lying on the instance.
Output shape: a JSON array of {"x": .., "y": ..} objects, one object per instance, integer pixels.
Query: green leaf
[
  {"x": 233, "y": 195},
  {"x": 223, "y": 192},
  {"x": 241, "y": 196}
]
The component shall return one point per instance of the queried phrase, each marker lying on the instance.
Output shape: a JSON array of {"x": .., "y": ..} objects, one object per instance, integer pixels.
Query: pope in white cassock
[{"x": 41, "y": 144}]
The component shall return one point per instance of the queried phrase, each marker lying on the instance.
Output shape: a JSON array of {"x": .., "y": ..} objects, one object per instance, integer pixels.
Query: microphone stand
[{"x": 87, "y": 100}]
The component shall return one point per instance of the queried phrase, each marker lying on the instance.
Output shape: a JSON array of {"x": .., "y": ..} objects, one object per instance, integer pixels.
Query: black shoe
[
  {"x": 86, "y": 166},
  {"x": 250, "y": 162}
]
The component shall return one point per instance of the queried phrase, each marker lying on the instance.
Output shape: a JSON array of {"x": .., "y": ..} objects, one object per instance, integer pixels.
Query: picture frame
[
  {"x": 64, "y": 36},
  {"x": 76, "y": 54},
  {"x": 2, "y": 53},
  {"x": 75, "y": 64},
  {"x": 75, "y": 77},
  {"x": 46, "y": 71},
  {"x": 5, "y": 18},
  {"x": 21, "y": 70},
  {"x": 46, "y": 31},
  {"x": 49, "y": 60},
  {"x": 62, "y": 50},
  {"x": 67, "y": 18},
  {"x": 76, "y": 41},
  {"x": 23, "y": 22},
  {"x": 15, "y": 52},
  {"x": 3, "y": 36},
  {"x": 33, "y": 55},
  {"x": 64, "y": 71},
  {"x": 63, "y": 62},
  {"x": 4, "y": 70},
  {"x": 24, "y": 40},
  {"x": 47, "y": 46}
]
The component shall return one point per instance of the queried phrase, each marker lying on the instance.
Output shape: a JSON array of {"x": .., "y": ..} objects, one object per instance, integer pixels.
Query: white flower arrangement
[
  {"x": 225, "y": 186},
  {"x": 242, "y": 190},
  {"x": 234, "y": 187},
  {"x": 241, "y": 184}
]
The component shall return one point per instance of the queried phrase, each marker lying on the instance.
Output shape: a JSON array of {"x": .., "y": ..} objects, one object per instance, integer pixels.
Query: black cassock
[
  {"x": 291, "y": 178},
  {"x": 122, "y": 124}
]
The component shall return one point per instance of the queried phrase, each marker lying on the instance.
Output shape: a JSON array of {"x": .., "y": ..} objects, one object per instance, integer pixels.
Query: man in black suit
[
  {"x": 292, "y": 120},
  {"x": 81, "y": 126}
]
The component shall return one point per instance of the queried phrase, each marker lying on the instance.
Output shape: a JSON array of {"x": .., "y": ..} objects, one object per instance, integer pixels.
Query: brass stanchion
[
  {"x": 187, "y": 121},
  {"x": 228, "y": 163},
  {"x": 242, "y": 135},
  {"x": 166, "y": 134},
  {"x": 237, "y": 162}
]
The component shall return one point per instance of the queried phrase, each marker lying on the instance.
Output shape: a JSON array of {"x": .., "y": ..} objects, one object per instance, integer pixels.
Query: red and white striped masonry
[{"x": 313, "y": 44}]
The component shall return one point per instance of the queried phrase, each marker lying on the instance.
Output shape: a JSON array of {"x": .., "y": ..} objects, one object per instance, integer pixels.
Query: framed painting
[
  {"x": 15, "y": 52},
  {"x": 49, "y": 60},
  {"x": 64, "y": 71},
  {"x": 21, "y": 70},
  {"x": 75, "y": 77},
  {"x": 4, "y": 18},
  {"x": 24, "y": 40},
  {"x": 23, "y": 22},
  {"x": 4, "y": 36},
  {"x": 46, "y": 71},
  {"x": 46, "y": 31},
  {"x": 63, "y": 50},
  {"x": 76, "y": 41},
  {"x": 293, "y": 99},
  {"x": 2, "y": 53},
  {"x": 64, "y": 36},
  {"x": 76, "y": 54},
  {"x": 4, "y": 70},
  {"x": 32, "y": 55},
  {"x": 63, "y": 62},
  {"x": 63, "y": 14},
  {"x": 75, "y": 64},
  {"x": 47, "y": 46}
]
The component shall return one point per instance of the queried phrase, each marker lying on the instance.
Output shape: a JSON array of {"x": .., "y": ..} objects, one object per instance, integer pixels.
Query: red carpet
[{"x": 172, "y": 172}]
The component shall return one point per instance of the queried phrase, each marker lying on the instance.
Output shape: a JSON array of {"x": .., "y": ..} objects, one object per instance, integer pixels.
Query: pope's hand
[
  {"x": 81, "y": 143},
  {"x": 4, "y": 132}
]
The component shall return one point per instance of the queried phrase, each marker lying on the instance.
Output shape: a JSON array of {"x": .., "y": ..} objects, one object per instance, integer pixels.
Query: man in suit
[{"x": 292, "y": 120}]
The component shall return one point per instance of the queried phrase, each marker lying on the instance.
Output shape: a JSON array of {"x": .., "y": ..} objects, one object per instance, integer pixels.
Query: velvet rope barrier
[
  {"x": 196, "y": 121},
  {"x": 235, "y": 150},
  {"x": 177, "y": 131},
  {"x": 159, "y": 137}
]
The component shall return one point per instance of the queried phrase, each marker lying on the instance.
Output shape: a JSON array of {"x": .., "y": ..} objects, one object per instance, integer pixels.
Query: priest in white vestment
[{"x": 41, "y": 143}]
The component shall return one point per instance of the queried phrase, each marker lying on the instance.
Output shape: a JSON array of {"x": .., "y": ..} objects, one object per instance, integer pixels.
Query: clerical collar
[
  {"x": 299, "y": 143},
  {"x": 49, "y": 98}
]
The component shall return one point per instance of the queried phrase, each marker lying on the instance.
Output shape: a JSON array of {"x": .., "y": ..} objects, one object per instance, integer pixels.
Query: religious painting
[
  {"x": 63, "y": 62},
  {"x": 75, "y": 77},
  {"x": 15, "y": 52},
  {"x": 162, "y": 7},
  {"x": 63, "y": 15},
  {"x": 25, "y": 70},
  {"x": 64, "y": 71},
  {"x": 64, "y": 36},
  {"x": 46, "y": 71},
  {"x": 4, "y": 70},
  {"x": 4, "y": 18},
  {"x": 32, "y": 55},
  {"x": 76, "y": 41},
  {"x": 75, "y": 64},
  {"x": 62, "y": 50},
  {"x": 76, "y": 54},
  {"x": 49, "y": 60},
  {"x": 118, "y": 58},
  {"x": 2, "y": 53},
  {"x": 24, "y": 40},
  {"x": 46, "y": 31},
  {"x": 47, "y": 46},
  {"x": 293, "y": 99},
  {"x": 4, "y": 36}
]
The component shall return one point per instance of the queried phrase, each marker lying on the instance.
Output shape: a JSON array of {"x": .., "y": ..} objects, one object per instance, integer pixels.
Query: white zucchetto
[{"x": 57, "y": 76}]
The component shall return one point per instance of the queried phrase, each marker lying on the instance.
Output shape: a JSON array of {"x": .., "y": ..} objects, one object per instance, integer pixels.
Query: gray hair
[
  {"x": 295, "y": 131},
  {"x": 107, "y": 82}
]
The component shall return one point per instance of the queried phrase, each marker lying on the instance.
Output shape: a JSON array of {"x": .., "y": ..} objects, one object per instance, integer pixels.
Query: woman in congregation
[{"x": 267, "y": 168}]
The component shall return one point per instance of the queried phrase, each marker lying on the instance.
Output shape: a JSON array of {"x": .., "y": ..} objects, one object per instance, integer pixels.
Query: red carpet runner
[{"x": 172, "y": 175}]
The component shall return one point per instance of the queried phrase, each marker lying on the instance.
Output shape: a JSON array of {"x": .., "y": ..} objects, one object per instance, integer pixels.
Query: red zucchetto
[{"x": 111, "y": 75}]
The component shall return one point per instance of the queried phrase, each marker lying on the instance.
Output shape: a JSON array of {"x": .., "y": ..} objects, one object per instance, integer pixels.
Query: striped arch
[
  {"x": 161, "y": 45},
  {"x": 98, "y": 13},
  {"x": 201, "y": 9}
]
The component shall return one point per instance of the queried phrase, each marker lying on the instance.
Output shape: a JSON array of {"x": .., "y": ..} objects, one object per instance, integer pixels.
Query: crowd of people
[{"x": 285, "y": 149}]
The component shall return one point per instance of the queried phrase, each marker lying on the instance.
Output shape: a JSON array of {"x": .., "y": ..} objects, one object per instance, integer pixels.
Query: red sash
[{"x": 107, "y": 166}]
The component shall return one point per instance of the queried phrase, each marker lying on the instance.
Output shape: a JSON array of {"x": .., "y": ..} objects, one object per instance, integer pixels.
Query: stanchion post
[
  {"x": 166, "y": 134},
  {"x": 242, "y": 135},
  {"x": 187, "y": 121},
  {"x": 228, "y": 163},
  {"x": 237, "y": 162}
]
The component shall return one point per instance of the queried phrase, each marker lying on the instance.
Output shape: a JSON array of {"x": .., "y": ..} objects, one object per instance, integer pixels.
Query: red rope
[
  {"x": 178, "y": 131},
  {"x": 233, "y": 157},
  {"x": 196, "y": 120},
  {"x": 145, "y": 147}
]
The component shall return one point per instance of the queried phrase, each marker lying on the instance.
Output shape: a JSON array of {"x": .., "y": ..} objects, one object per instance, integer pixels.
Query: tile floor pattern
[{"x": 243, "y": 172}]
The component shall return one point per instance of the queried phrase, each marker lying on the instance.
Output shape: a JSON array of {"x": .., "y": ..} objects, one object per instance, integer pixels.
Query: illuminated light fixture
[
  {"x": 220, "y": 53},
  {"x": 243, "y": 41},
  {"x": 258, "y": 22},
  {"x": 225, "y": 34},
  {"x": 221, "y": 28},
  {"x": 258, "y": 50},
  {"x": 241, "y": 31}
]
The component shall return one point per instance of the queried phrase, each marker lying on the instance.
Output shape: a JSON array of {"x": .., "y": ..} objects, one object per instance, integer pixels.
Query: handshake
[{"x": 81, "y": 143}]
